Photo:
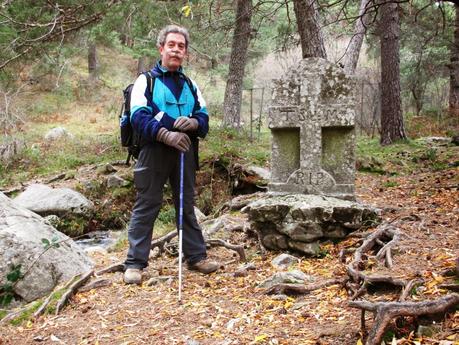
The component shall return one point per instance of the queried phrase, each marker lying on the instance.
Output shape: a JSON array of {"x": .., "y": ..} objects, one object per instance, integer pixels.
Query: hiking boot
[
  {"x": 133, "y": 276},
  {"x": 205, "y": 266}
]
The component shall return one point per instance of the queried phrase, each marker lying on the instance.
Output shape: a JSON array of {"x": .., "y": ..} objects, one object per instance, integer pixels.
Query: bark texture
[
  {"x": 141, "y": 65},
  {"x": 392, "y": 126},
  {"x": 241, "y": 40},
  {"x": 355, "y": 44},
  {"x": 307, "y": 19},
  {"x": 454, "y": 68}
]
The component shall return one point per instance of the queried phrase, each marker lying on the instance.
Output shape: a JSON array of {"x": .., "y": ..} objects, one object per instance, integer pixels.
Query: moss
[
  {"x": 26, "y": 314},
  {"x": 288, "y": 141}
]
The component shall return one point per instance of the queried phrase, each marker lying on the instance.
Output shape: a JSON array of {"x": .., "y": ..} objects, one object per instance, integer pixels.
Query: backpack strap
[
  {"x": 190, "y": 84},
  {"x": 150, "y": 81}
]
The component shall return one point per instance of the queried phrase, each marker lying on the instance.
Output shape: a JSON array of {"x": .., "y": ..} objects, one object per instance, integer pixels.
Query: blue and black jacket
[{"x": 172, "y": 97}]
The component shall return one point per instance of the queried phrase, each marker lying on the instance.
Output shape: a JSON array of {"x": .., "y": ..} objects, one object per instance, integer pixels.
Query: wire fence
[
  {"x": 254, "y": 111},
  {"x": 256, "y": 101}
]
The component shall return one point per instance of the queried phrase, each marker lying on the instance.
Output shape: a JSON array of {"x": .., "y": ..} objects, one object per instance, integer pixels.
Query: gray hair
[{"x": 172, "y": 29}]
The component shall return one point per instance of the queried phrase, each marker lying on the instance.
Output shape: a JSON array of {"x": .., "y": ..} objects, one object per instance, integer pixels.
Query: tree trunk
[
  {"x": 141, "y": 64},
  {"x": 92, "y": 61},
  {"x": 454, "y": 68},
  {"x": 417, "y": 97},
  {"x": 392, "y": 126},
  {"x": 241, "y": 39},
  {"x": 355, "y": 44},
  {"x": 307, "y": 19},
  {"x": 126, "y": 33}
]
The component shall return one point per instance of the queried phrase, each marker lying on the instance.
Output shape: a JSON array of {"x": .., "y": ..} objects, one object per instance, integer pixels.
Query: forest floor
[{"x": 223, "y": 309}]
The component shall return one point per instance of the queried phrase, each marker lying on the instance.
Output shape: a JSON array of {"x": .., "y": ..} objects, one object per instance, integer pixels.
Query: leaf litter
[{"x": 223, "y": 309}]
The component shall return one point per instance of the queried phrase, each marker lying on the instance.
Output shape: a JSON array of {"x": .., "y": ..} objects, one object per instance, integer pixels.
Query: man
[{"x": 169, "y": 121}]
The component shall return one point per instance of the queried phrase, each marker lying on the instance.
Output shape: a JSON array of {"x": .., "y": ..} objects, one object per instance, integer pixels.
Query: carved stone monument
[{"x": 312, "y": 124}]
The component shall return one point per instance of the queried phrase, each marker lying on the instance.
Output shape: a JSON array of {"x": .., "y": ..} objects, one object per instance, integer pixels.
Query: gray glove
[
  {"x": 177, "y": 140},
  {"x": 186, "y": 124}
]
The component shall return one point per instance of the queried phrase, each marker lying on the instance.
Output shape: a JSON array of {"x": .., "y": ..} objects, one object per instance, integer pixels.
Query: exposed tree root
[
  {"x": 72, "y": 289},
  {"x": 46, "y": 302},
  {"x": 161, "y": 244},
  {"x": 43, "y": 306},
  {"x": 118, "y": 267},
  {"x": 408, "y": 287},
  {"x": 14, "y": 314},
  {"x": 387, "y": 311},
  {"x": 298, "y": 289},
  {"x": 451, "y": 287},
  {"x": 379, "y": 245},
  {"x": 162, "y": 241},
  {"x": 237, "y": 248},
  {"x": 356, "y": 267},
  {"x": 98, "y": 283}
]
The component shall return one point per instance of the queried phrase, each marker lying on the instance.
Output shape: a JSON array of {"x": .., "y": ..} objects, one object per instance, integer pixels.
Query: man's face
[{"x": 173, "y": 51}]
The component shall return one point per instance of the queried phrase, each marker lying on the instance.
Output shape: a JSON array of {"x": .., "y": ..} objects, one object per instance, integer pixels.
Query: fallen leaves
[{"x": 221, "y": 309}]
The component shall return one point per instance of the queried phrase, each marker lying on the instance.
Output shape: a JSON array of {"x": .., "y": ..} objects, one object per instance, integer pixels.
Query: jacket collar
[{"x": 160, "y": 70}]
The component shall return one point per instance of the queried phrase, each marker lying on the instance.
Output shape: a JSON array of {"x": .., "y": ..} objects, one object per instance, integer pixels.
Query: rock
[
  {"x": 300, "y": 305},
  {"x": 95, "y": 250},
  {"x": 105, "y": 169},
  {"x": 9, "y": 149},
  {"x": 284, "y": 261},
  {"x": 370, "y": 164},
  {"x": 91, "y": 185},
  {"x": 439, "y": 141},
  {"x": 230, "y": 324},
  {"x": 428, "y": 331},
  {"x": 280, "y": 297},
  {"x": 44, "y": 200},
  {"x": 261, "y": 173},
  {"x": 243, "y": 200},
  {"x": 58, "y": 133},
  {"x": 298, "y": 222},
  {"x": 159, "y": 279},
  {"x": 312, "y": 249},
  {"x": 240, "y": 273},
  {"x": 22, "y": 235},
  {"x": 226, "y": 222},
  {"x": 192, "y": 342},
  {"x": 53, "y": 220},
  {"x": 275, "y": 241},
  {"x": 200, "y": 217},
  {"x": 114, "y": 181},
  {"x": 243, "y": 271},
  {"x": 290, "y": 277}
]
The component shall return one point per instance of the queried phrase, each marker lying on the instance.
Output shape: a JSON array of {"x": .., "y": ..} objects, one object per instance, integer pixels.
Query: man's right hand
[{"x": 177, "y": 140}]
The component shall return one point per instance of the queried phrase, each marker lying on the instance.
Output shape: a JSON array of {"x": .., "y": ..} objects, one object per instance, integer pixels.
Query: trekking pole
[{"x": 182, "y": 159}]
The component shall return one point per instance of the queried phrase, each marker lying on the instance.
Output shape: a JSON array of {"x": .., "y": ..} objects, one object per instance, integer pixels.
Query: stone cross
[{"x": 312, "y": 123}]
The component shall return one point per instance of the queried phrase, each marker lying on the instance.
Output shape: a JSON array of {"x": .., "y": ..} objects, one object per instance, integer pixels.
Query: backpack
[{"x": 129, "y": 137}]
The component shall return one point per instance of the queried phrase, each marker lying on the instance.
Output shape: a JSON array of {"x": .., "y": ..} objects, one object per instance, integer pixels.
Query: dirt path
[{"x": 223, "y": 309}]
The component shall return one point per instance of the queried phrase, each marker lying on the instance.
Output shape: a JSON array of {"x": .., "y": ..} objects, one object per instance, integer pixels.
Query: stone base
[
  {"x": 299, "y": 222},
  {"x": 339, "y": 191}
]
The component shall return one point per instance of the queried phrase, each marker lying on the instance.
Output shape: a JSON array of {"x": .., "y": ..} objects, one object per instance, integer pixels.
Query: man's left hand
[{"x": 186, "y": 124}]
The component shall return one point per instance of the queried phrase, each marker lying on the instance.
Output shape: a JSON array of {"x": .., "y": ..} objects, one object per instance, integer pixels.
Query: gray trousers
[{"x": 158, "y": 163}]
